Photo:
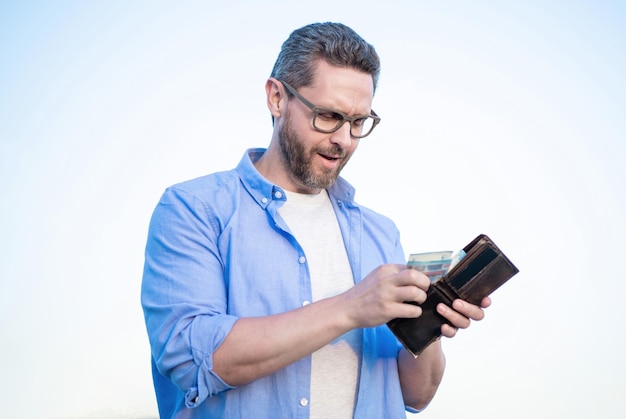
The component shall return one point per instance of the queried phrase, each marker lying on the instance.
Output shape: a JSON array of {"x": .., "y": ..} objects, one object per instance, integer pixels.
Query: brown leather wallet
[{"x": 483, "y": 269}]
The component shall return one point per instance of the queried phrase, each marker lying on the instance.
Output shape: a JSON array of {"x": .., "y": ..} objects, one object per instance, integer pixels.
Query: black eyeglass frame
[{"x": 345, "y": 118}]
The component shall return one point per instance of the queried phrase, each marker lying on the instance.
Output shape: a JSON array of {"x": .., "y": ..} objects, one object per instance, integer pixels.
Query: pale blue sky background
[{"x": 503, "y": 118}]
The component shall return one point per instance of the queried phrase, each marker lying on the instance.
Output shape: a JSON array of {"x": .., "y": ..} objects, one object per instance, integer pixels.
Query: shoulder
[
  {"x": 376, "y": 216},
  {"x": 343, "y": 191},
  {"x": 199, "y": 203},
  {"x": 206, "y": 188},
  {"x": 378, "y": 222}
]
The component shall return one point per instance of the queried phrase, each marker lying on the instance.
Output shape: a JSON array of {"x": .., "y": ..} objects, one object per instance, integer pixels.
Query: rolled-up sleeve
[{"x": 184, "y": 295}]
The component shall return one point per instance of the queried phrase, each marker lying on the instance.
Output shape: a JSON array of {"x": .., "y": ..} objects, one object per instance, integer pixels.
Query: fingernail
[{"x": 457, "y": 304}]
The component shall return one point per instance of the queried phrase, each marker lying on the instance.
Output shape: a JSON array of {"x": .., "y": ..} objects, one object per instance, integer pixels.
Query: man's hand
[
  {"x": 461, "y": 314},
  {"x": 382, "y": 295},
  {"x": 420, "y": 377},
  {"x": 284, "y": 338}
]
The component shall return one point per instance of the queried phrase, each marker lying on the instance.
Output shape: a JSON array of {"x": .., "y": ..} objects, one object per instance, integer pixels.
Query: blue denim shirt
[{"x": 218, "y": 250}]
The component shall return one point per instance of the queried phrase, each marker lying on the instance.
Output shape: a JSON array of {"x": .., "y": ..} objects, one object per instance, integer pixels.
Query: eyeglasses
[{"x": 329, "y": 120}]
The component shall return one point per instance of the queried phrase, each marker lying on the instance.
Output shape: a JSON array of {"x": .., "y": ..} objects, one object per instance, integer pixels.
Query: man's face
[
  {"x": 299, "y": 160},
  {"x": 313, "y": 160}
]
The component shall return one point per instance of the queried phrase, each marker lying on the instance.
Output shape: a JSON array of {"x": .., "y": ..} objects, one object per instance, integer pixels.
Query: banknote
[{"x": 435, "y": 264}]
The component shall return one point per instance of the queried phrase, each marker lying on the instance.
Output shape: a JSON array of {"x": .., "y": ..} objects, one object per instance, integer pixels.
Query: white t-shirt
[{"x": 335, "y": 367}]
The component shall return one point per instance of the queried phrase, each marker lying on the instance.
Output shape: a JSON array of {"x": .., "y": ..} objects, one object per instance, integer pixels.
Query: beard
[{"x": 299, "y": 161}]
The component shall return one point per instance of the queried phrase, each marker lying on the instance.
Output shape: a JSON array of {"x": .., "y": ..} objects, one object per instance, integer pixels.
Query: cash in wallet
[{"x": 481, "y": 271}]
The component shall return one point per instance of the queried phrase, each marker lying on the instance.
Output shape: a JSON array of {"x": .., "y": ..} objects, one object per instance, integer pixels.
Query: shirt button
[
  {"x": 278, "y": 195},
  {"x": 305, "y": 303},
  {"x": 264, "y": 200},
  {"x": 301, "y": 259},
  {"x": 303, "y": 402}
]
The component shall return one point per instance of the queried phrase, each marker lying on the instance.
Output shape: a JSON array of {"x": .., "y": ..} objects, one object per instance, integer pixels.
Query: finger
[
  {"x": 411, "y": 293},
  {"x": 414, "y": 277},
  {"x": 486, "y": 302},
  {"x": 468, "y": 310},
  {"x": 390, "y": 269},
  {"x": 408, "y": 311},
  {"x": 448, "y": 331},
  {"x": 455, "y": 318}
]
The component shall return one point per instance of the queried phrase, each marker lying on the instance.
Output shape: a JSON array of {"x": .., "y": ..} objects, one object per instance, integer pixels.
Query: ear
[{"x": 276, "y": 100}]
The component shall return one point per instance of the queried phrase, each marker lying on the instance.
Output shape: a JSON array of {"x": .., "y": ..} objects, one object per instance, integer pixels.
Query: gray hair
[{"x": 335, "y": 43}]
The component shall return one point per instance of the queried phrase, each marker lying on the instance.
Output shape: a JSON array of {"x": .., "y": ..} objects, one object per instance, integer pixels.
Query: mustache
[{"x": 335, "y": 151}]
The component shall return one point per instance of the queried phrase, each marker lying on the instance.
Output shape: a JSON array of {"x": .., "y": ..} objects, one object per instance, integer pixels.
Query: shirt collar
[{"x": 263, "y": 191}]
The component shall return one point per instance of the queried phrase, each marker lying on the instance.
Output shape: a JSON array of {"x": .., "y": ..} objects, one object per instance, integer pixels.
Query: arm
[
  {"x": 420, "y": 377},
  {"x": 200, "y": 347},
  {"x": 289, "y": 336}
]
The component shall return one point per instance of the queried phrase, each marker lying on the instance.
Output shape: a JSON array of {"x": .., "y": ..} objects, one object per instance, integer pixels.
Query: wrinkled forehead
[{"x": 346, "y": 89}]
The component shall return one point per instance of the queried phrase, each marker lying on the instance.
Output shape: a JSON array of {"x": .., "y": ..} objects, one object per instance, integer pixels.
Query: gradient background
[{"x": 503, "y": 118}]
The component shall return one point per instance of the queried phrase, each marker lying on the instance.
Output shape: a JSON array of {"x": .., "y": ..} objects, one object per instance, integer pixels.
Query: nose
[{"x": 342, "y": 136}]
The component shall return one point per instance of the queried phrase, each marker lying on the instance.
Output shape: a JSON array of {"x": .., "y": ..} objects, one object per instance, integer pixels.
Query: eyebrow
[{"x": 311, "y": 106}]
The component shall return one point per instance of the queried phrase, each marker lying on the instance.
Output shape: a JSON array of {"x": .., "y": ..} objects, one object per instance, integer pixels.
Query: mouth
[
  {"x": 331, "y": 158},
  {"x": 330, "y": 161}
]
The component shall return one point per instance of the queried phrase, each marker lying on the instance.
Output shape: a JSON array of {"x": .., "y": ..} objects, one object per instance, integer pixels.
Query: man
[{"x": 266, "y": 288}]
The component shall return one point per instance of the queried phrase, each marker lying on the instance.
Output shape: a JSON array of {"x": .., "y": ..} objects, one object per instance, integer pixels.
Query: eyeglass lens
[{"x": 328, "y": 121}]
